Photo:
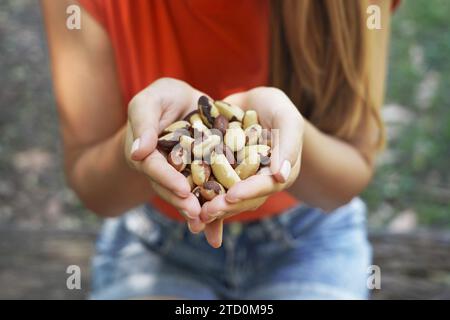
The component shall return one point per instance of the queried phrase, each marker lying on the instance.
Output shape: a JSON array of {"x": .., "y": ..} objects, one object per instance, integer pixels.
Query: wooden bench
[{"x": 33, "y": 264}]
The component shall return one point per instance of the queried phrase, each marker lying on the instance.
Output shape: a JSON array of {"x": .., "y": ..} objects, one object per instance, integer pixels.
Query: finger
[
  {"x": 209, "y": 213},
  {"x": 252, "y": 187},
  {"x": 189, "y": 207},
  {"x": 160, "y": 171},
  {"x": 287, "y": 140},
  {"x": 144, "y": 145},
  {"x": 203, "y": 214},
  {"x": 219, "y": 207},
  {"x": 214, "y": 233},
  {"x": 238, "y": 99},
  {"x": 195, "y": 225}
]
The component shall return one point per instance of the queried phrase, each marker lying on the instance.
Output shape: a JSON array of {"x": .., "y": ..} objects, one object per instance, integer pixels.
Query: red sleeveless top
[{"x": 219, "y": 47}]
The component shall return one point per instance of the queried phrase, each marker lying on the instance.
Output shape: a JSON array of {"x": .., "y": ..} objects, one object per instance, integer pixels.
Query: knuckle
[
  {"x": 132, "y": 105},
  {"x": 276, "y": 91},
  {"x": 164, "y": 82},
  {"x": 167, "y": 83},
  {"x": 270, "y": 90},
  {"x": 299, "y": 119},
  {"x": 149, "y": 95},
  {"x": 137, "y": 102}
]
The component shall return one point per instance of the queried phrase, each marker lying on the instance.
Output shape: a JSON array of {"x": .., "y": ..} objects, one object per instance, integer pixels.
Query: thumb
[
  {"x": 238, "y": 99},
  {"x": 144, "y": 144},
  {"x": 143, "y": 116}
]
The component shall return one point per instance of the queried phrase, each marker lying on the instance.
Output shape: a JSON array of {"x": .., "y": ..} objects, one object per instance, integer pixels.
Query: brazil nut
[
  {"x": 223, "y": 171},
  {"x": 208, "y": 111},
  {"x": 235, "y": 139},
  {"x": 211, "y": 189},
  {"x": 248, "y": 167},
  {"x": 200, "y": 172},
  {"x": 250, "y": 119},
  {"x": 231, "y": 112},
  {"x": 178, "y": 158}
]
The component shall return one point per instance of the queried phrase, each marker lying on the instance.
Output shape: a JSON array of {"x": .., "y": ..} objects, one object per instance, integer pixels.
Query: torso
[{"x": 219, "y": 47}]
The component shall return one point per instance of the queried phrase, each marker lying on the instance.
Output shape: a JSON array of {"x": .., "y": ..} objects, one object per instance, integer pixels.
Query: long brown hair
[{"x": 320, "y": 58}]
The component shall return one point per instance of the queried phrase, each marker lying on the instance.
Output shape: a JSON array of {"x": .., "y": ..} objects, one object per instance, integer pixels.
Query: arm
[
  {"x": 86, "y": 89},
  {"x": 334, "y": 171},
  {"x": 96, "y": 128}
]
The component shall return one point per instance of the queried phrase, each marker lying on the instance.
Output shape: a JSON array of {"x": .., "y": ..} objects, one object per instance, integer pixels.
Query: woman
[{"x": 136, "y": 66}]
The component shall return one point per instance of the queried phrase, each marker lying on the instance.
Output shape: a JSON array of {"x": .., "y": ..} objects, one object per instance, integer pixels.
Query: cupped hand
[
  {"x": 149, "y": 113},
  {"x": 277, "y": 113}
]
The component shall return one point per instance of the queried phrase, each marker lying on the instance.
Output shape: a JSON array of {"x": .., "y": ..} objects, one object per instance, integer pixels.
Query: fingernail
[
  {"x": 187, "y": 214},
  {"x": 211, "y": 219},
  {"x": 285, "y": 170},
  {"x": 232, "y": 199},
  {"x": 216, "y": 214},
  {"x": 190, "y": 228},
  {"x": 195, "y": 222},
  {"x": 216, "y": 244},
  {"x": 135, "y": 145},
  {"x": 182, "y": 194}
]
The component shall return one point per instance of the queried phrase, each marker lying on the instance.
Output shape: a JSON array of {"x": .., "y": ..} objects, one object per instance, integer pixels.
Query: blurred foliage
[{"x": 417, "y": 177}]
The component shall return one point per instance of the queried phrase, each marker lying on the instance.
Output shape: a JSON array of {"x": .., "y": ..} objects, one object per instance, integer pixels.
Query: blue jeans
[{"x": 303, "y": 253}]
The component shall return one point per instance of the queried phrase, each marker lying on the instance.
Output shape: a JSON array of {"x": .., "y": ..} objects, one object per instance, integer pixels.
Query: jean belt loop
[
  {"x": 180, "y": 233},
  {"x": 273, "y": 229},
  {"x": 235, "y": 229},
  {"x": 230, "y": 237}
]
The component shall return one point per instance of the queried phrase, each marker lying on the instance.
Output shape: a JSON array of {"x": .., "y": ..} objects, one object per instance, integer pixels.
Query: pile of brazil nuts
[{"x": 216, "y": 146}]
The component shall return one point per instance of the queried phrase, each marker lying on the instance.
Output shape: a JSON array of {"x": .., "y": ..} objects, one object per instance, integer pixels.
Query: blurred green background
[{"x": 412, "y": 184}]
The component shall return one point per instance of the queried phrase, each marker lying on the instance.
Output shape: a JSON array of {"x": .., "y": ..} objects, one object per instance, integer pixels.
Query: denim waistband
[
  {"x": 146, "y": 218},
  {"x": 271, "y": 227}
]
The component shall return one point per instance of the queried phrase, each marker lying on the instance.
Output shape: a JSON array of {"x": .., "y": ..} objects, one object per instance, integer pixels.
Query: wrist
[
  {"x": 309, "y": 130},
  {"x": 120, "y": 144}
]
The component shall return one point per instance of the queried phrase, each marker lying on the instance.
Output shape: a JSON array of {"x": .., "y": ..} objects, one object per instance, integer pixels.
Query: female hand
[
  {"x": 150, "y": 111},
  {"x": 275, "y": 112}
]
